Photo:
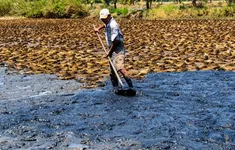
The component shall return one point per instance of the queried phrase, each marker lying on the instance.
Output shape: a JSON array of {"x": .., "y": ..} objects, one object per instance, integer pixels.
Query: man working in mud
[{"x": 116, "y": 51}]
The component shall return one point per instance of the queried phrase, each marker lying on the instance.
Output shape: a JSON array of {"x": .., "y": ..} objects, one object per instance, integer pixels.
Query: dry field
[{"x": 70, "y": 48}]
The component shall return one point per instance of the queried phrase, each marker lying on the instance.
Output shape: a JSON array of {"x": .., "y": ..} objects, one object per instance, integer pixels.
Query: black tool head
[{"x": 126, "y": 92}]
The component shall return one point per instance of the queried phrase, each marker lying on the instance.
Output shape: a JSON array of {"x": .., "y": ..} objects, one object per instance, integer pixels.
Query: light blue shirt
[{"x": 112, "y": 32}]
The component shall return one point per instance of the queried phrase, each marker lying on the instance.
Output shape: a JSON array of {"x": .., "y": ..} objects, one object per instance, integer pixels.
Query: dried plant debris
[{"x": 71, "y": 50}]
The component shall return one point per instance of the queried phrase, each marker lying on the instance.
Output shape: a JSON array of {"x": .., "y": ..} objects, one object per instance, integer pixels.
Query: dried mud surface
[
  {"x": 71, "y": 50},
  {"x": 177, "y": 111}
]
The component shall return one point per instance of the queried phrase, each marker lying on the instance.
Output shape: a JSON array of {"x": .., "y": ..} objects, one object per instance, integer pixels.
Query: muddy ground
[{"x": 176, "y": 111}]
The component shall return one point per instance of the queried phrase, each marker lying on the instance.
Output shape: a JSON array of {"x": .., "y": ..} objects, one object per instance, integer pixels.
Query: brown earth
[{"x": 70, "y": 48}]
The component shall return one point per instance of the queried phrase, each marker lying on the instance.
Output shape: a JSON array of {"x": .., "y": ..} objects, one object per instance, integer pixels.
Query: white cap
[{"x": 104, "y": 13}]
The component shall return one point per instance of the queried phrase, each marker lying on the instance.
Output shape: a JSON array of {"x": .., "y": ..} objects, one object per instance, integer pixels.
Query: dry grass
[
  {"x": 11, "y": 17},
  {"x": 170, "y": 10}
]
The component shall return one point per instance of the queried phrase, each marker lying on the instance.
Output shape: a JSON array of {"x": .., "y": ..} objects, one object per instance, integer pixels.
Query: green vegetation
[
  {"x": 5, "y": 7},
  {"x": 124, "y": 8},
  {"x": 119, "y": 11},
  {"x": 44, "y": 8}
]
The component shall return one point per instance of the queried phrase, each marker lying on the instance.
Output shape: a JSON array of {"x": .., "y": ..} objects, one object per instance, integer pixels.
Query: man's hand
[
  {"x": 96, "y": 30},
  {"x": 99, "y": 28},
  {"x": 107, "y": 54}
]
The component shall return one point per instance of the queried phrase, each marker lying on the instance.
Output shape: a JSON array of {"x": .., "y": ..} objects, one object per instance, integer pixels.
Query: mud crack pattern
[{"x": 71, "y": 50}]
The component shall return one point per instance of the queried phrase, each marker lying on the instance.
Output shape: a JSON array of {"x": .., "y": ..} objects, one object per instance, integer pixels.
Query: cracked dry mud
[{"x": 176, "y": 111}]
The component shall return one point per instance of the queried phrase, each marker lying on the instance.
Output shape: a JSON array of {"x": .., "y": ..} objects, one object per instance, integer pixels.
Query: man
[{"x": 116, "y": 51}]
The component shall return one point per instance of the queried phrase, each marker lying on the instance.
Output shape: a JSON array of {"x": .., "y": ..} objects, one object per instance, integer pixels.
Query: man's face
[{"x": 106, "y": 21}]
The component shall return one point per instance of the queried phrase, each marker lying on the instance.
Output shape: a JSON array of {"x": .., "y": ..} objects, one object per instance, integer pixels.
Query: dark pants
[{"x": 114, "y": 78}]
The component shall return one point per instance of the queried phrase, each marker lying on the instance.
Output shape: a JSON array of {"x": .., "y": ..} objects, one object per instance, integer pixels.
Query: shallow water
[{"x": 18, "y": 86}]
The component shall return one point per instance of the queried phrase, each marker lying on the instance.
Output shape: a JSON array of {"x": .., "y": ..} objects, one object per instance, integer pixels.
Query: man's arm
[
  {"x": 99, "y": 28},
  {"x": 112, "y": 47}
]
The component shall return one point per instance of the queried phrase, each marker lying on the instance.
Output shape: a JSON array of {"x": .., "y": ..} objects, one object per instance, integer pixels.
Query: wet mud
[{"x": 176, "y": 111}]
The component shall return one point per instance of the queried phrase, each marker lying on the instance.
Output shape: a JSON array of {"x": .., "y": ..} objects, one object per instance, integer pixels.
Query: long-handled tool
[{"x": 128, "y": 92}]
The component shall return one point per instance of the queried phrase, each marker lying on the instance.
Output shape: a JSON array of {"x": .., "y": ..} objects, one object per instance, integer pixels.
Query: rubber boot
[
  {"x": 129, "y": 82},
  {"x": 114, "y": 80}
]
